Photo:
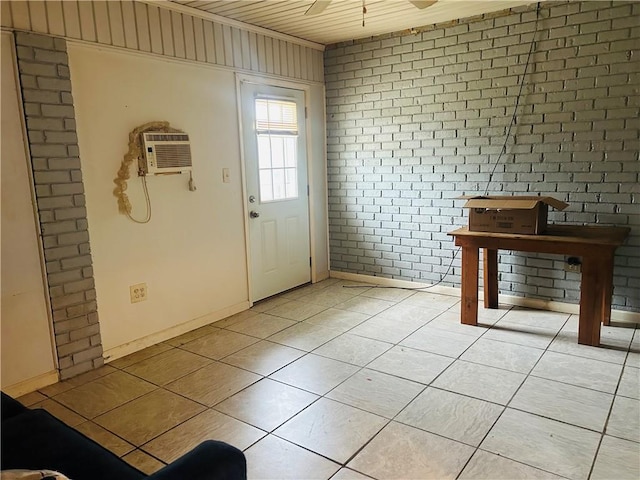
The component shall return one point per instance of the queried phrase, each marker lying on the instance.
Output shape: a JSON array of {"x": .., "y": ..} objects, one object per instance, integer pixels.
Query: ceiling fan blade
[
  {"x": 317, "y": 7},
  {"x": 421, "y": 4}
]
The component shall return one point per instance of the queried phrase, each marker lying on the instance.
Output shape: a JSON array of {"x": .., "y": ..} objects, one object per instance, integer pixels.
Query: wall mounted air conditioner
[{"x": 166, "y": 153}]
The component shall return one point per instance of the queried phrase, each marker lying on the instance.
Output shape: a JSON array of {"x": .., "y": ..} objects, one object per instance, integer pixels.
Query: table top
[{"x": 586, "y": 234}]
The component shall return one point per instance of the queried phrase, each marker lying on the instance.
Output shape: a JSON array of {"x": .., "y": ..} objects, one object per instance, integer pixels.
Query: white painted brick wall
[{"x": 415, "y": 121}]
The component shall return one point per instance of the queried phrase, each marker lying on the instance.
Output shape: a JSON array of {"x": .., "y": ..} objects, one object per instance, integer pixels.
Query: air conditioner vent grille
[
  {"x": 166, "y": 152},
  {"x": 167, "y": 137},
  {"x": 172, "y": 155}
]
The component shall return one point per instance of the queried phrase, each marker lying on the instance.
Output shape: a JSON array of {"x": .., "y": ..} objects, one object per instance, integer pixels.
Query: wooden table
[{"x": 596, "y": 245}]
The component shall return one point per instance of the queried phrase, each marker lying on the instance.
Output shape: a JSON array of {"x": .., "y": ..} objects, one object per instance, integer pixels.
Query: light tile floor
[{"x": 328, "y": 381}]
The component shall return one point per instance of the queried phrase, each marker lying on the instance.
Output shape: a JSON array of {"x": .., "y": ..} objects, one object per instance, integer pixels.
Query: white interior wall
[
  {"x": 192, "y": 252},
  {"x": 27, "y": 352}
]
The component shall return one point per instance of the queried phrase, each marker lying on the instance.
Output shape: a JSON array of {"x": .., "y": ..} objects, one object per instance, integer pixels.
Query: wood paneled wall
[{"x": 158, "y": 30}]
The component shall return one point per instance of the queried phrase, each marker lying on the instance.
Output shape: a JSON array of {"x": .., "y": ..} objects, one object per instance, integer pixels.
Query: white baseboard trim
[
  {"x": 535, "y": 303},
  {"x": 32, "y": 384},
  {"x": 390, "y": 282},
  {"x": 144, "y": 342}
]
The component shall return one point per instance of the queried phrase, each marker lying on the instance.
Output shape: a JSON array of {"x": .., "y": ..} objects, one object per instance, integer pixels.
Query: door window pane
[
  {"x": 277, "y": 133},
  {"x": 277, "y": 151},
  {"x": 291, "y": 181},
  {"x": 264, "y": 152},
  {"x": 266, "y": 185}
]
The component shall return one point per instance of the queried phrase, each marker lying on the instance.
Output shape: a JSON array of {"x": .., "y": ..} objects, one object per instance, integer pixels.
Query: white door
[{"x": 275, "y": 155}]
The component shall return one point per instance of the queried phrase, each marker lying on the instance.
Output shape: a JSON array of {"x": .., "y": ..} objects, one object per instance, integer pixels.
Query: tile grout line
[
  {"x": 360, "y": 369},
  {"x": 389, "y": 421},
  {"x": 506, "y": 405},
  {"x": 615, "y": 395}
]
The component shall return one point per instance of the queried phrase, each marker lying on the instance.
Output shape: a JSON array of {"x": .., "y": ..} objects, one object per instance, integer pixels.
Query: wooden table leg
[
  {"x": 591, "y": 300},
  {"x": 490, "y": 260},
  {"x": 607, "y": 291},
  {"x": 469, "y": 307}
]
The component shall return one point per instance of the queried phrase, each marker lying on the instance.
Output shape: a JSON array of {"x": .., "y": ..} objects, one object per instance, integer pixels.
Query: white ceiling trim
[{"x": 234, "y": 23}]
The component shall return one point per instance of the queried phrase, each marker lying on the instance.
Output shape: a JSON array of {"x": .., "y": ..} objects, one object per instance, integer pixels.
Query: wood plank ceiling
[{"x": 342, "y": 19}]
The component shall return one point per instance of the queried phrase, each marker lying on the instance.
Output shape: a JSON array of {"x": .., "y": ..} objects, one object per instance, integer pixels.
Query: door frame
[{"x": 306, "y": 90}]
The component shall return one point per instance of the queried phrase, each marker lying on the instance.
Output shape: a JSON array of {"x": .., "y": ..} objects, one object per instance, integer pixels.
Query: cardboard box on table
[{"x": 510, "y": 214}]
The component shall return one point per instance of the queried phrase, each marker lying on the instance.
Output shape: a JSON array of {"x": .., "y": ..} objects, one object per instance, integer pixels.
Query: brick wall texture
[
  {"x": 53, "y": 144},
  {"x": 416, "y": 120}
]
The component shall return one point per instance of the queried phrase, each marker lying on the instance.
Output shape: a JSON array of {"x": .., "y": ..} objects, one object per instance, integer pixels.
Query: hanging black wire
[
  {"x": 497, "y": 162},
  {"x": 515, "y": 108}
]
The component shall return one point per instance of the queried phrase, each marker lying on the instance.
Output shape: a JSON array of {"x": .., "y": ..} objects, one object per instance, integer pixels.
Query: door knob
[{"x": 254, "y": 214}]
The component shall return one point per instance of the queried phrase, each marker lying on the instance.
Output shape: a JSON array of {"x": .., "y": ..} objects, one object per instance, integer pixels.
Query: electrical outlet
[
  {"x": 573, "y": 264},
  {"x": 138, "y": 292}
]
